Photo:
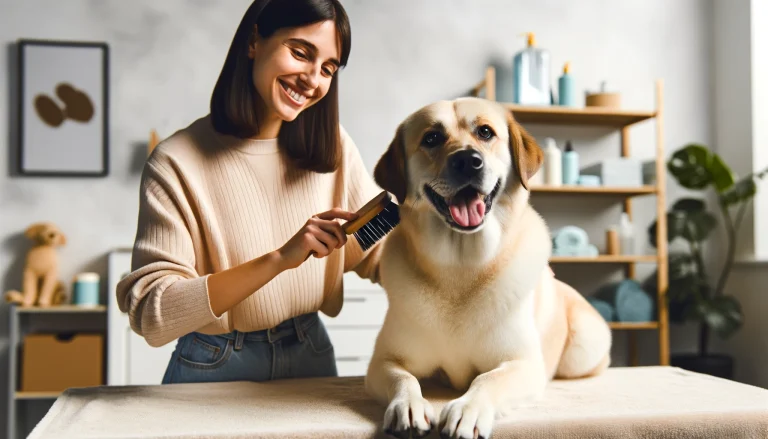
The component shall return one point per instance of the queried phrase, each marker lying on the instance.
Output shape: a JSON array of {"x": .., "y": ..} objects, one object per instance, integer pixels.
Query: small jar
[{"x": 86, "y": 290}]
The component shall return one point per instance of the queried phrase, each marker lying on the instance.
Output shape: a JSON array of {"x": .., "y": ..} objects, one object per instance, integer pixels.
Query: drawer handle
[
  {"x": 349, "y": 358},
  {"x": 355, "y": 299}
]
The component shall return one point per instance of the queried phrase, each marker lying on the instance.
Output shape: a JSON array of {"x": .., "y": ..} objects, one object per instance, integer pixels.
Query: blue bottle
[
  {"x": 565, "y": 90},
  {"x": 570, "y": 165}
]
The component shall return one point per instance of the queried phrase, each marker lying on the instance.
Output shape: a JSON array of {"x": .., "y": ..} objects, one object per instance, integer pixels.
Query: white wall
[
  {"x": 741, "y": 82},
  {"x": 166, "y": 57}
]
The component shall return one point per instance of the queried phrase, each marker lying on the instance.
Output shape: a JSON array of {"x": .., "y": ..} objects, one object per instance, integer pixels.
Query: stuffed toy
[{"x": 41, "y": 273}]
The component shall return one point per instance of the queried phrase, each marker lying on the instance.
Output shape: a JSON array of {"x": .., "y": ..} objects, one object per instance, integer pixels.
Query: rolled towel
[
  {"x": 604, "y": 308},
  {"x": 570, "y": 237},
  {"x": 631, "y": 302}
]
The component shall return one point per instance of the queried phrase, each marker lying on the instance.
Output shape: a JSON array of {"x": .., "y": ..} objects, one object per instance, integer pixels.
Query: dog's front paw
[
  {"x": 467, "y": 418},
  {"x": 408, "y": 415}
]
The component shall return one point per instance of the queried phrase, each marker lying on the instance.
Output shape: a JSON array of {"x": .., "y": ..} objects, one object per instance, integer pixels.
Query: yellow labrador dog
[{"x": 471, "y": 296}]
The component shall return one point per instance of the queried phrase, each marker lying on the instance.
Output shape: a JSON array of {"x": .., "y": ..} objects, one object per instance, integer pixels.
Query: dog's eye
[
  {"x": 485, "y": 132},
  {"x": 433, "y": 139}
]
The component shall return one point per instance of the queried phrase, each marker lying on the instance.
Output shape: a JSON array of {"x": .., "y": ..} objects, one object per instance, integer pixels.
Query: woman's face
[{"x": 292, "y": 69}]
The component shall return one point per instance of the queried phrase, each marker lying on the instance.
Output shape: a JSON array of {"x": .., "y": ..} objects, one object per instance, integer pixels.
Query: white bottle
[
  {"x": 553, "y": 163},
  {"x": 626, "y": 235}
]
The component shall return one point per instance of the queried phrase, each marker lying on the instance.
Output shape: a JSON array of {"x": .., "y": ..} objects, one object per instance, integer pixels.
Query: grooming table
[{"x": 648, "y": 402}]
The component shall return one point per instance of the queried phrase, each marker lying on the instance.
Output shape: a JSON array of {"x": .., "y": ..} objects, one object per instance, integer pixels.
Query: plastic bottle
[
  {"x": 565, "y": 88},
  {"x": 553, "y": 162},
  {"x": 626, "y": 235},
  {"x": 570, "y": 165},
  {"x": 531, "y": 75}
]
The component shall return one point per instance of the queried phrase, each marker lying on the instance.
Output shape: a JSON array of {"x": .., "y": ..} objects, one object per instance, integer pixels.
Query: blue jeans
[{"x": 297, "y": 348}]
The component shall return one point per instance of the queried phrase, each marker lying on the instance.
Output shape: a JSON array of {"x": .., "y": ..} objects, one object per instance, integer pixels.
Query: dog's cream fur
[{"x": 480, "y": 309}]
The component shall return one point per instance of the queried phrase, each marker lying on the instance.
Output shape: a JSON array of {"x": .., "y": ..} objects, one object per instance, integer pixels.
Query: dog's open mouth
[{"x": 465, "y": 210}]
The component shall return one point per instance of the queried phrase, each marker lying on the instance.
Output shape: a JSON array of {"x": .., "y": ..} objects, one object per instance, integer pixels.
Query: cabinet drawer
[
  {"x": 353, "y": 342},
  {"x": 360, "y": 309}
]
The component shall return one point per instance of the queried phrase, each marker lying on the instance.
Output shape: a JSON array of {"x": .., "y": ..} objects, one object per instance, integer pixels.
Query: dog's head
[
  {"x": 45, "y": 234},
  {"x": 458, "y": 156}
]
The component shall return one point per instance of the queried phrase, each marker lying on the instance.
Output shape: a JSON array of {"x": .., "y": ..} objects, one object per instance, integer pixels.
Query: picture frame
[{"x": 63, "y": 108}]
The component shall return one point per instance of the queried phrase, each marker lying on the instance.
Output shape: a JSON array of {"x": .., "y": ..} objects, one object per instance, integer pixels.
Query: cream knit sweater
[{"x": 209, "y": 202}]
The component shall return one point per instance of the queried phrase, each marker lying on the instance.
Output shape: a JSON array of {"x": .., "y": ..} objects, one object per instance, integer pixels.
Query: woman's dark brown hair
[{"x": 313, "y": 140}]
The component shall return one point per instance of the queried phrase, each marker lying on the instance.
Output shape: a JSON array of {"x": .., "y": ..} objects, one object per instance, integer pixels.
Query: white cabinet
[
  {"x": 353, "y": 332},
  {"x": 131, "y": 361}
]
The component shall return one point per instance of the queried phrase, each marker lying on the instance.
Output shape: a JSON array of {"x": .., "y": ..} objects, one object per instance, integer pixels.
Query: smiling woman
[
  {"x": 228, "y": 209},
  {"x": 294, "y": 50}
]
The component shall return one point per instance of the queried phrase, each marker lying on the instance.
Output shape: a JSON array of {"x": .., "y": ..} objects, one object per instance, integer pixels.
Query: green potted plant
[{"x": 694, "y": 294}]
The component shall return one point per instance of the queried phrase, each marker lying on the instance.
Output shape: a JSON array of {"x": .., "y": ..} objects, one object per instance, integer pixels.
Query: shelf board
[
  {"x": 602, "y": 259},
  {"x": 62, "y": 309},
  {"x": 633, "y": 325},
  {"x": 596, "y": 190},
  {"x": 37, "y": 395},
  {"x": 595, "y": 116}
]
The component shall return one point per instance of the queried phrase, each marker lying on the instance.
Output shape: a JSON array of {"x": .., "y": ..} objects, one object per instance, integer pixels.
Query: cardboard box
[{"x": 55, "y": 362}]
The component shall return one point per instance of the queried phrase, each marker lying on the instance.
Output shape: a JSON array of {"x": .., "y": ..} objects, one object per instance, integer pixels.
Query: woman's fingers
[
  {"x": 337, "y": 213},
  {"x": 327, "y": 240},
  {"x": 333, "y": 228}
]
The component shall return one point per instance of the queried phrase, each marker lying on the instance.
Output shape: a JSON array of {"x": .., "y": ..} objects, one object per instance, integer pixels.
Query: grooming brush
[
  {"x": 377, "y": 218},
  {"x": 374, "y": 220}
]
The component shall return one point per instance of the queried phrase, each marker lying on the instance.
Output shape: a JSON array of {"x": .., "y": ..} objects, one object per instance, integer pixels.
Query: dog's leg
[
  {"x": 407, "y": 411},
  {"x": 512, "y": 382},
  {"x": 47, "y": 289},
  {"x": 29, "y": 288}
]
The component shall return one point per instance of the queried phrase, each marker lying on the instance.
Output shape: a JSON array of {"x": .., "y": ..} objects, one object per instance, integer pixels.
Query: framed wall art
[{"x": 63, "y": 108}]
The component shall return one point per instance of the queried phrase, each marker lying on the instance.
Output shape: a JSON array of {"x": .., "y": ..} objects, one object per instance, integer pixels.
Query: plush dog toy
[{"x": 41, "y": 274}]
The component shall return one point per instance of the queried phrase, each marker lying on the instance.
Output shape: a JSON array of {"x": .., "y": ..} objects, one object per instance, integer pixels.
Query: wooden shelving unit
[
  {"x": 33, "y": 319},
  {"x": 37, "y": 395},
  {"x": 62, "y": 309},
  {"x": 599, "y": 190},
  {"x": 621, "y": 120},
  {"x": 603, "y": 259}
]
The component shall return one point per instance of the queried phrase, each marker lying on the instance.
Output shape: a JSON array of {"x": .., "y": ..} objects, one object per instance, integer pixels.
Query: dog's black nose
[{"x": 466, "y": 163}]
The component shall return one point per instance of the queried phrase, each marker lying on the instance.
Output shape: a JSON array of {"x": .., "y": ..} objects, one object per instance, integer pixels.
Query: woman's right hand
[{"x": 320, "y": 235}]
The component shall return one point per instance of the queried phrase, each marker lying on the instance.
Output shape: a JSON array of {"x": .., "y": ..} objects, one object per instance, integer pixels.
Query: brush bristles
[{"x": 375, "y": 229}]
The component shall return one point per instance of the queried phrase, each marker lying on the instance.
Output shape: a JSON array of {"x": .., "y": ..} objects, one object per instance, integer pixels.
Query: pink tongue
[{"x": 468, "y": 213}]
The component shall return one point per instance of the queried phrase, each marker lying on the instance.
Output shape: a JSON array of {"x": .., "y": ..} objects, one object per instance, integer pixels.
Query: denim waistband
[{"x": 293, "y": 326}]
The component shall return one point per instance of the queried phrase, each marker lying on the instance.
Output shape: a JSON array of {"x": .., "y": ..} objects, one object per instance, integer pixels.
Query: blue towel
[
  {"x": 631, "y": 302},
  {"x": 604, "y": 308}
]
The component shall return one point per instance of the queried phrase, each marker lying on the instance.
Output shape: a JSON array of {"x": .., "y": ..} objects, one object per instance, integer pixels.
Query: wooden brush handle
[{"x": 367, "y": 212}]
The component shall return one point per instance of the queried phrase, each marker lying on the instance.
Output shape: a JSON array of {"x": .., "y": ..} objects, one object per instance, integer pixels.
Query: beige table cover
[{"x": 645, "y": 402}]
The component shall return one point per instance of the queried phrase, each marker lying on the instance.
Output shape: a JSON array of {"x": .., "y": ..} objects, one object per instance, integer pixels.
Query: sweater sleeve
[
  {"x": 361, "y": 188},
  {"x": 164, "y": 295}
]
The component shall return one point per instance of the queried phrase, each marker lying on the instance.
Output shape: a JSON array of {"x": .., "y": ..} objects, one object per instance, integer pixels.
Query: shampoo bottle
[
  {"x": 553, "y": 162},
  {"x": 531, "y": 75},
  {"x": 565, "y": 88},
  {"x": 570, "y": 165}
]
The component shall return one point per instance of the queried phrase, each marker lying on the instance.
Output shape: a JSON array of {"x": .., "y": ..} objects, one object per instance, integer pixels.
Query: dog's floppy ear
[
  {"x": 526, "y": 153},
  {"x": 389, "y": 172}
]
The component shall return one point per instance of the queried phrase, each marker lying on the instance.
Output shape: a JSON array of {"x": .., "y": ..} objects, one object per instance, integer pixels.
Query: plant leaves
[
  {"x": 722, "y": 177},
  {"x": 722, "y": 314},
  {"x": 698, "y": 226},
  {"x": 676, "y": 223},
  {"x": 742, "y": 191},
  {"x": 689, "y": 167},
  {"x": 681, "y": 265},
  {"x": 696, "y": 167},
  {"x": 689, "y": 205}
]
